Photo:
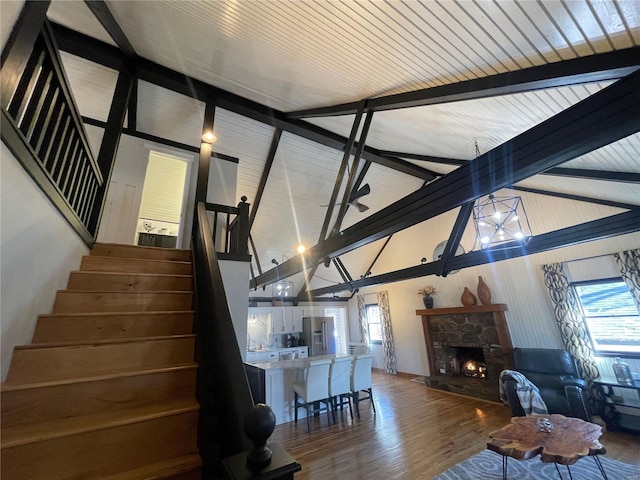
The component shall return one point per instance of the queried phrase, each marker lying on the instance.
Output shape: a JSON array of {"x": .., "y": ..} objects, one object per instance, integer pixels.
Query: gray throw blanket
[{"x": 528, "y": 393}]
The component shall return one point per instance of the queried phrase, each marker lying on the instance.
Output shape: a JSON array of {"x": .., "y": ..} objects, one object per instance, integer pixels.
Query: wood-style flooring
[{"x": 416, "y": 434}]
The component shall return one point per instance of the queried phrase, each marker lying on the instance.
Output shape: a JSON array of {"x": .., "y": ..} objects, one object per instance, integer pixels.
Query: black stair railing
[
  {"x": 230, "y": 229},
  {"x": 41, "y": 124},
  {"x": 222, "y": 389}
]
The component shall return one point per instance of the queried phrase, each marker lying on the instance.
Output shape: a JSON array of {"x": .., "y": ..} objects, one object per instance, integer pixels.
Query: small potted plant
[{"x": 427, "y": 293}]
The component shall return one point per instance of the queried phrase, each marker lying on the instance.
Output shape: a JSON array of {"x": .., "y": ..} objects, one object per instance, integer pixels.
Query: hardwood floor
[{"x": 416, "y": 434}]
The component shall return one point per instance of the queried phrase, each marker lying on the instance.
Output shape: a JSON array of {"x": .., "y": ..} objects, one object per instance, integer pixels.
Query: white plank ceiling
[{"x": 292, "y": 55}]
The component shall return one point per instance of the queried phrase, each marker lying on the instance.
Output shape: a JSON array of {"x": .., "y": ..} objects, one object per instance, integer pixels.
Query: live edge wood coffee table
[{"x": 562, "y": 441}]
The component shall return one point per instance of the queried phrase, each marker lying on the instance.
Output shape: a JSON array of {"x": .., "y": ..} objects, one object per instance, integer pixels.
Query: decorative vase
[
  {"x": 428, "y": 301},
  {"x": 468, "y": 299},
  {"x": 484, "y": 294}
]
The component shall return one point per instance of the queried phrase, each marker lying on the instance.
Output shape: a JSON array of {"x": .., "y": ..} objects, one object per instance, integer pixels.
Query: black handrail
[{"x": 222, "y": 390}]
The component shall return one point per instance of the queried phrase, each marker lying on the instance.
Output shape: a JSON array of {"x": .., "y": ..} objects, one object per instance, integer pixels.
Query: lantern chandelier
[{"x": 500, "y": 220}]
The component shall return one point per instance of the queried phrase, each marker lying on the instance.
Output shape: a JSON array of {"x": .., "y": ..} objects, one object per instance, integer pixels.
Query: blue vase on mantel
[{"x": 428, "y": 301}]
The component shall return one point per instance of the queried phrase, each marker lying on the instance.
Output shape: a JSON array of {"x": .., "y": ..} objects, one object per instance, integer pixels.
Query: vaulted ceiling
[{"x": 439, "y": 81}]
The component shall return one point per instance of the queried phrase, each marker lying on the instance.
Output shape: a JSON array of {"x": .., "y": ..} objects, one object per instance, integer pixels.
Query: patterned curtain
[
  {"x": 362, "y": 323},
  {"x": 570, "y": 321},
  {"x": 387, "y": 334},
  {"x": 629, "y": 262}
]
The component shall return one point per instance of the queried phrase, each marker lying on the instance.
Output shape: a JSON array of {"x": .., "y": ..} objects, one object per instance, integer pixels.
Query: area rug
[
  {"x": 417, "y": 379},
  {"x": 487, "y": 465}
]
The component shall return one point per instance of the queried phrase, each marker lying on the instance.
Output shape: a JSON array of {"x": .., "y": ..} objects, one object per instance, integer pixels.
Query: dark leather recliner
[{"x": 555, "y": 374}]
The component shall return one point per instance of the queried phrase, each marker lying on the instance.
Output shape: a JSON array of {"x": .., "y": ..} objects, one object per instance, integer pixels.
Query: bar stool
[
  {"x": 340, "y": 384},
  {"x": 313, "y": 389},
  {"x": 361, "y": 380}
]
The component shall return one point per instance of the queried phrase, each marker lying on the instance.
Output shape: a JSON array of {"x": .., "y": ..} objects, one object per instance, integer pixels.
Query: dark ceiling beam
[
  {"x": 101, "y": 11},
  {"x": 626, "y": 177},
  {"x": 601, "y": 67},
  {"x": 99, "y": 52},
  {"x": 620, "y": 224},
  {"x": 425, "y": 158},
  {"x": 350, "y": 187},
  {"x": 160, "y": 140},
  {"x": 603, "y": 118},
  {"x": 275, "y": 141},
  {"x": 579, "y": 198},
  {"x": 456, "y": 235}
]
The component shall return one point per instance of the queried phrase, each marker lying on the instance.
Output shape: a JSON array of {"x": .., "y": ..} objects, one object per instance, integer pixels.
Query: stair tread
[
  {"x": 130, "y": 259},
  {"x": 110, "y": 314},
  {"x": 91, "y": 343},
  {"x": 24, "y": 434},
  {"x": 140, "y": 274},
  {"x": 8, "y": 387},
  {"x": 158, "y": 471}
]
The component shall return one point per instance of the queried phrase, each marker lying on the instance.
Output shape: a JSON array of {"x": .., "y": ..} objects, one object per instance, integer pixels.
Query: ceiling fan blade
[
  {"x": 361, "y": 192},
  {"x": 361, "y": 207}
]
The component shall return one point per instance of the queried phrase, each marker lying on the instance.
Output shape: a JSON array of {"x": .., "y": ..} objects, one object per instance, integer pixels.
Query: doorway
[{"x": 160, "y": 219}]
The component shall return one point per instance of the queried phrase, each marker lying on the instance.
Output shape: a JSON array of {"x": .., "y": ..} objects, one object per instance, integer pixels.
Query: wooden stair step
[
  {"x": 43, "y": 431},
  {"x": 96, "y": 453},
  {"x": 95, "y": 263},
  {"x": 97, "y": 326},
  {"x": 42, "y": 402},
  {"x": 61, "y": 327},
  {"x": 42, "y": 362},
  {"x": 115, "y": 281},
  {"x": 74, "y": 301},
  {"x": 180, "y": 468},
  {"x": 149, "y": 253}
]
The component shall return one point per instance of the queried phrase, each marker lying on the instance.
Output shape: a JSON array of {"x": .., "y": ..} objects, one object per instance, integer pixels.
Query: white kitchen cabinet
[
  {"x": 275, "y": 324},
  {"x": 256, "y": 357}
]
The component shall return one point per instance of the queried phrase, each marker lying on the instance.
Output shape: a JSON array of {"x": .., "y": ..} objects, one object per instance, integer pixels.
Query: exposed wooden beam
[
  {"x": 455, "y": 237},
  {"x": 626, "y": 177},
  {"x": 205, "y": 151},
  {"x": 620, "y": 224},
  {"x": 161, "y": 140},
  {"x": 603, "y": 118},
  {"x": 275, "y": 141},
  {"x": 579, "y": 198},
  {"x": 102, "y": 13},
  {"x": 110, "y": 141},
  {"x": 601, "y": 67}
]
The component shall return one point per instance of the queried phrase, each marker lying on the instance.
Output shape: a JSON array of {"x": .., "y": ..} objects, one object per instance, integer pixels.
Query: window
[
  {"x": 374, "y": 322},
  {"x": 611, "y": 316}
]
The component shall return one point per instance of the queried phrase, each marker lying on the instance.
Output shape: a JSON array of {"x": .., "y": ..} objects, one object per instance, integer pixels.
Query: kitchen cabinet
[{"x": 283, "y": 321}]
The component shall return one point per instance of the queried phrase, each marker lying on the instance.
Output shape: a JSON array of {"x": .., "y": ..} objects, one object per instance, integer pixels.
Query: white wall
[
  {"x": 38, "y": 249},
  {"x": 9, "y": 12},
  {"x": 236, "y": 286},
  {"x": 518, "y": 283}
]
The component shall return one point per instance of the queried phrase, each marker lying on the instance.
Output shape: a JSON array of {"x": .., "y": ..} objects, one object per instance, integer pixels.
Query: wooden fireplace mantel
[{"x": 494, "y": 307}]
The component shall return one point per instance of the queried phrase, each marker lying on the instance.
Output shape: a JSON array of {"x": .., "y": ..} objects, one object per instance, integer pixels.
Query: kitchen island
[{"x": 271, "y": 383}]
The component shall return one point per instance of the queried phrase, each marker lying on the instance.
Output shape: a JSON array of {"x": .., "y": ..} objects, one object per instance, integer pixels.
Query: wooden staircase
[{"x": 107, "y": 388}]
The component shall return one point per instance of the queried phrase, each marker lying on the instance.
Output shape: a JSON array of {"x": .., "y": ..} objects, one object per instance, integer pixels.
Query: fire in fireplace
[{"x": 471, "y": 368}]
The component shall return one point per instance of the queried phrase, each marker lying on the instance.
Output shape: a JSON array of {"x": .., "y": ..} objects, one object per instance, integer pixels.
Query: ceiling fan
[{"x": 353, "y": 198}]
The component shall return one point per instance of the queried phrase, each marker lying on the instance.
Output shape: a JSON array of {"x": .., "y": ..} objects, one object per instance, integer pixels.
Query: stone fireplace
[{"x": 473, "y": 337}]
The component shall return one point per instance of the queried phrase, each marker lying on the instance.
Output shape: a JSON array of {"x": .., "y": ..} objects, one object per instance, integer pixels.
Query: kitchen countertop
[{"x": 296, "y": 364}]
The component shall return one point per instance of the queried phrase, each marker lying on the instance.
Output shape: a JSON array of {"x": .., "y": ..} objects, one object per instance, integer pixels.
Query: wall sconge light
[
  {"x": 301, "y": 248},
  {"x": 283, "y": 288},
  {"x": 499, "y": 220},
  {"x": 209, "y": 137}
]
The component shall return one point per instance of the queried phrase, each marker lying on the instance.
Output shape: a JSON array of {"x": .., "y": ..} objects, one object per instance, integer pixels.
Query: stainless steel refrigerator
[{"x": 318, "y": 333}]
